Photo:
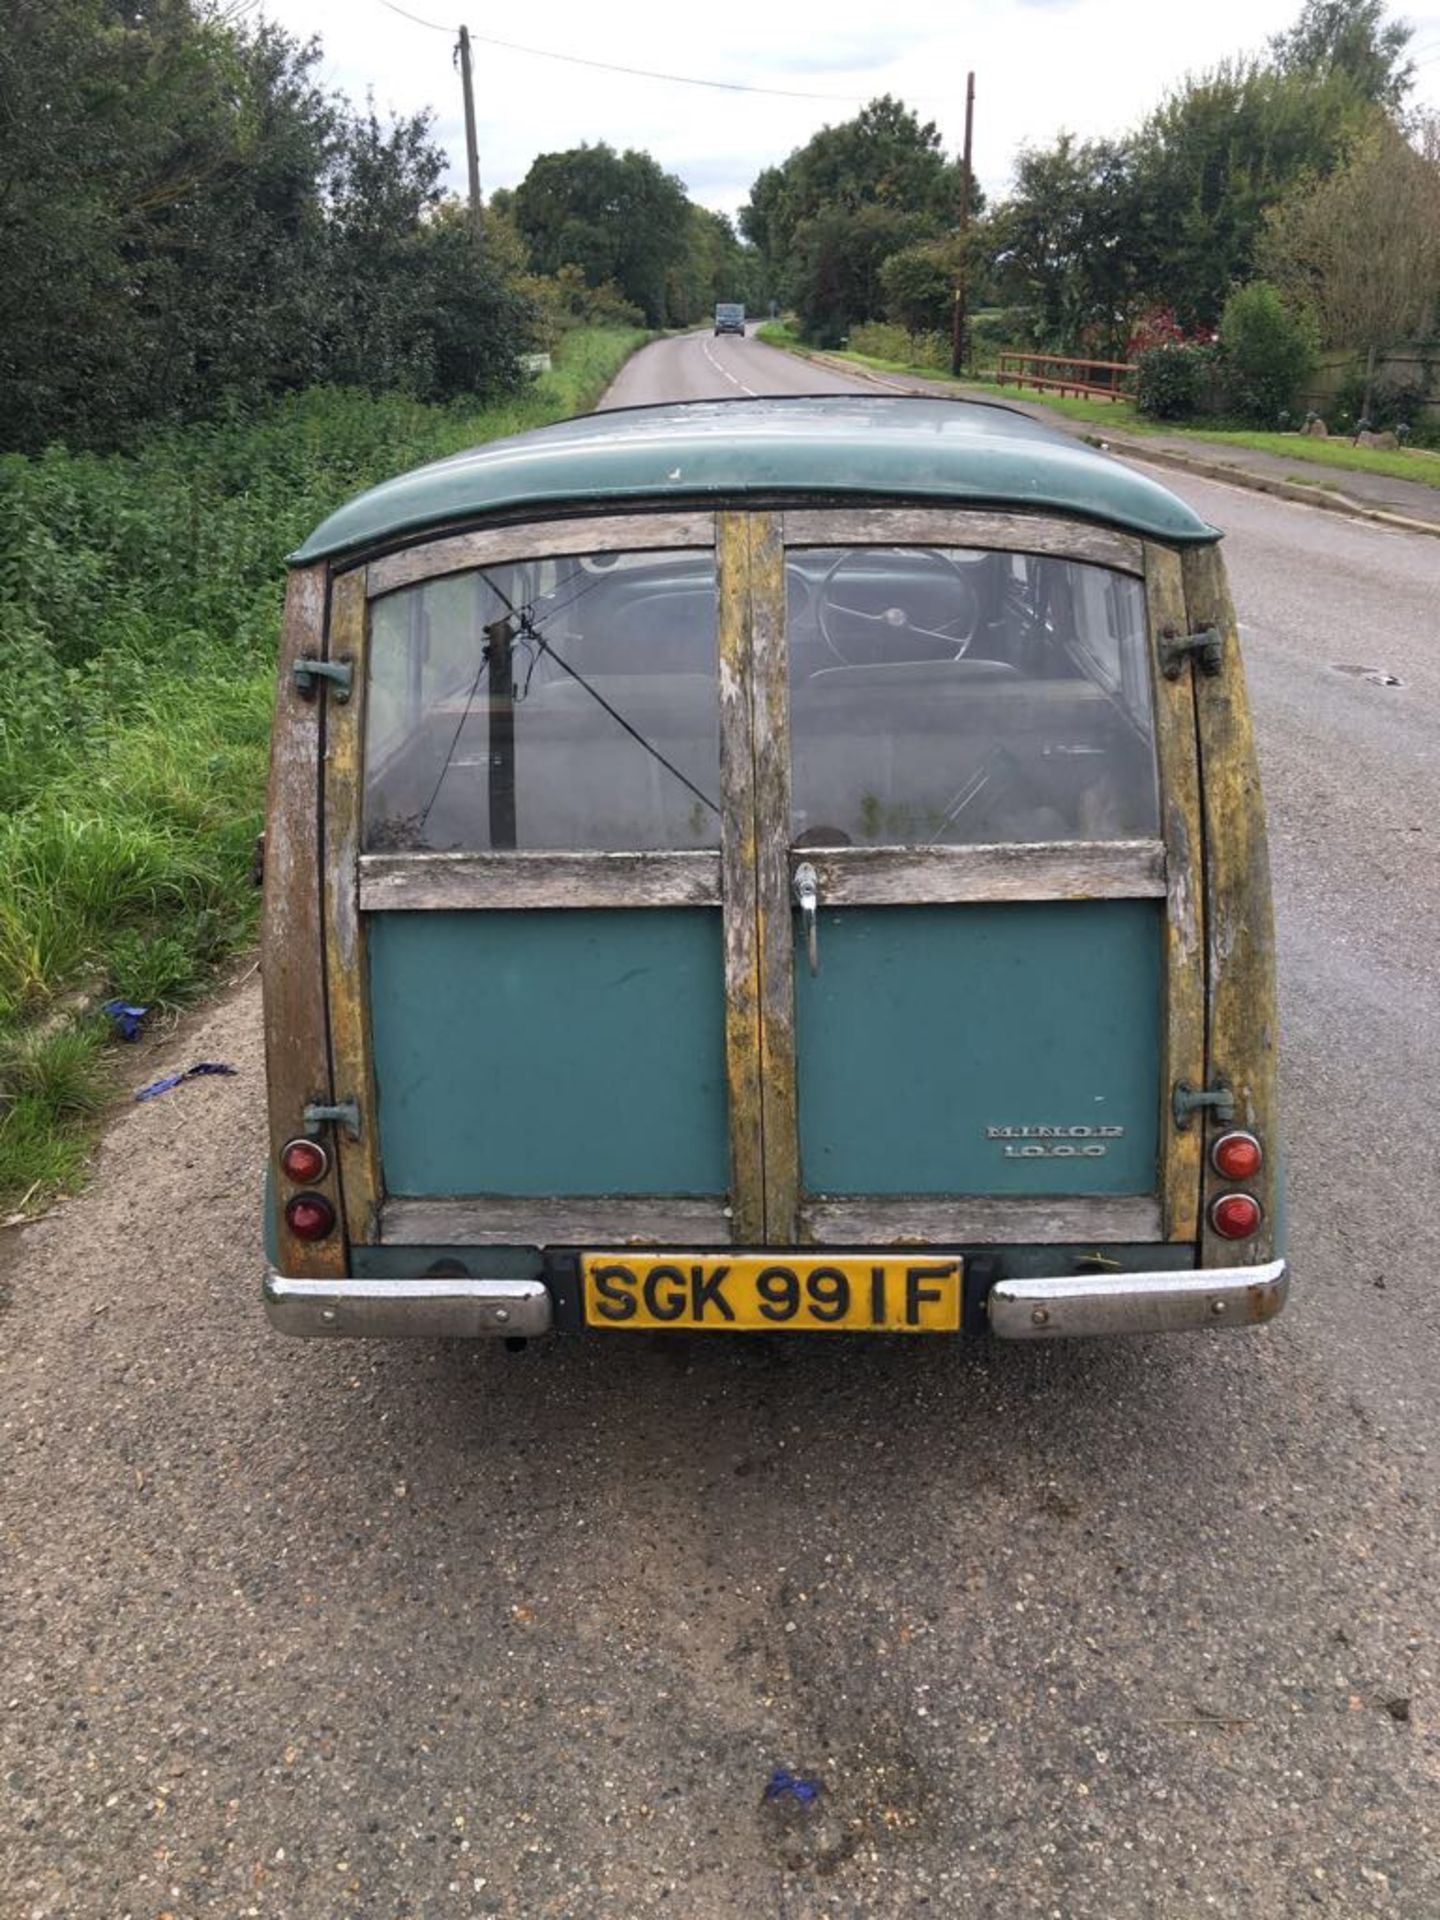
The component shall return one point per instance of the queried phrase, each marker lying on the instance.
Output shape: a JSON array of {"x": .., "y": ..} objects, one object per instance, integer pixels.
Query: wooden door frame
[
  {"x": 355, "y": 883},
  {"x": 1167, "y": 867}
]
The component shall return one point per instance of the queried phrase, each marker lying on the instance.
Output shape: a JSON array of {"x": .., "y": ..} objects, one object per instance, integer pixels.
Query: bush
[
  {"x": 993, "y": 328},
  {"x": 139, "y": 609},
  {"x": 565, "y": 299},
  {"x": 1396, "y": 400},
  {"x": 885, "y": 342},
  {"x": 1268, "y": 351},
  {"x": 1171, "y": 380},
  {"x": 919, "y": 284}
]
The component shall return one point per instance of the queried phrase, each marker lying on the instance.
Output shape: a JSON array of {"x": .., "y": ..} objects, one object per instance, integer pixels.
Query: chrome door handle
[{"x": 806, "y": 890}]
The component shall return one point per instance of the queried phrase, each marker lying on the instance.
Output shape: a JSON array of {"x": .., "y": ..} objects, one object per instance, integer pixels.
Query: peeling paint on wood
[
  {"x": 978, "y": 1221},
  {"x": 1240, "y": 933},
  {"x": 345, "y": 970},
  {"x": 943, "y": 876},
  {"x": 394, "y": 882},
  {"x": 770, "y": 706},
  {"x": 737, "y": 835},
  {"x": 1175, "y": 741},
  {"x": 490, "y": 546},
  {"x": 297, "y": 1067},
  {"x": 964, "y": 528},
  {"x": 585, "y": 1220}
]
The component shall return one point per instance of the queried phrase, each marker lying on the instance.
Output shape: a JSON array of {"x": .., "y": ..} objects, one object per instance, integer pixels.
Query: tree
[
  {"x": 714, "y": 266},
  {"x": 159, "y": 195},
  {"x": 824, "y": 220},
  {"x": 618, "y": 217},
  {"x": 1351, "y": 39},
  {"x": 919, "y": 285},
  {"x": 1073, "y": 243},
  {"x": 1362, "y": 247},
  {"x": 1210, "y": 162},
  {"x": 1267, "y": 352},
  {"x": 188, "y": 221},
  {"x": 838, "y": 258}
]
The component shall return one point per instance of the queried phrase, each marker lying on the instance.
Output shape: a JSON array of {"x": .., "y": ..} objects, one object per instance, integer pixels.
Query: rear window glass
[
  {"x": 942, "y": 696},
  {"x": 559, "y": 704}
]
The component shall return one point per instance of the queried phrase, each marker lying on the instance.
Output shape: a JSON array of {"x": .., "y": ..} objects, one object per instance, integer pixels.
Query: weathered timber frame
[
  {"x": 297, "y": 1059},
  {"x": 1239, "y": 927},
  {"x": 318, "y": 755},
  {"x": 1184, "y": 1013},
  {"x": 893, "y": 876}
]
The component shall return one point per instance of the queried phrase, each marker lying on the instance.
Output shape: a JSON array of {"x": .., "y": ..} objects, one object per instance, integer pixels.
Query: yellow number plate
[{"x": 751, "y": 1293}]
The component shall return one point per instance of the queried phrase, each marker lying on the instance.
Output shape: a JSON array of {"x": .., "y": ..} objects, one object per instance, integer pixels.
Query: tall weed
[{"x": 139, "y": 612}]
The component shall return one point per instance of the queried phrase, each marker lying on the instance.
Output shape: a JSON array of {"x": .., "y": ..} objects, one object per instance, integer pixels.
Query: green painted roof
[{"x": 712, "y": 450}]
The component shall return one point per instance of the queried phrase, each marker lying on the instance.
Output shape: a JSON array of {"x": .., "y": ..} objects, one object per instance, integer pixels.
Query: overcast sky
[{"x": 1093, "y": 66}]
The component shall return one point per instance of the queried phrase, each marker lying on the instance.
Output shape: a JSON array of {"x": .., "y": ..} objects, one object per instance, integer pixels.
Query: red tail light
[
  {"x": 1238, "y": 1156},
  {"x": 310, "y": 1216},
  {"x": 304, "y": 1162},
  {"x": 1235, "y": 1216}
]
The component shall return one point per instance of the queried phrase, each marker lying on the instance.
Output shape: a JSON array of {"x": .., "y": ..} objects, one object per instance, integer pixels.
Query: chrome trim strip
[
  {"x": 1115, "y": 1303},
  {"x": 434, "y": 1309}
]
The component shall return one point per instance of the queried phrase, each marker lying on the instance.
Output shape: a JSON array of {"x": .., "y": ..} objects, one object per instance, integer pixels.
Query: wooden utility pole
[
  {"x": 957, "y": 325},
  {"x": 472, "y": 147}
]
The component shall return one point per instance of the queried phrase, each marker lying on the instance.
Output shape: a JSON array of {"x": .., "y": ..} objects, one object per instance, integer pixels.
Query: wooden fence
[{"x": 1064, "y": 373}]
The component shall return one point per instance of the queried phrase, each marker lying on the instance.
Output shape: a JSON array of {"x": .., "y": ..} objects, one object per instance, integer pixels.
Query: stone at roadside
[
  {"x": 1316, "y": 428},
  {"x": 1383, "y": 440}
]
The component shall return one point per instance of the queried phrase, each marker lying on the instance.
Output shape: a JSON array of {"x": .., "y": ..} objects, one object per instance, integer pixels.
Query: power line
[
  {"x": 433, "y": 25},
  {"x": 635, "y": 73}
]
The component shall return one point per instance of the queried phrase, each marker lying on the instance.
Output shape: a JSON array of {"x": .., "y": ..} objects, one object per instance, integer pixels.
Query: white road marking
[{"x": 705, "y": 349}]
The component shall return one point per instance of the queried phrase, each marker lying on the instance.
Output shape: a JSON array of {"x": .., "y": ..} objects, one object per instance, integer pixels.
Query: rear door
[
  {"x": 593, "y": 777},
  {"x": 527, "y": 956},
  {"x": 991, "y": 973}
]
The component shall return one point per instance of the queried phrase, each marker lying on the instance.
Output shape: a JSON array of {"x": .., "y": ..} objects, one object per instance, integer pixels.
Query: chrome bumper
[
  {"x": 448, "y": 1309},
  {"x": 1113, "y": 1303},
  {"x": 464, "y": 1309}
]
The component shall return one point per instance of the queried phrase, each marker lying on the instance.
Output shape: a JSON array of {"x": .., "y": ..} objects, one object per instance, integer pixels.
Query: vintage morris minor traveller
[{"x": 770, "y": 864}]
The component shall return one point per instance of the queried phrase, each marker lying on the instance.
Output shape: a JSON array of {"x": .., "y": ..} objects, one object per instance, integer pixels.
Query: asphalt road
[{"x": 1124, "y": 1630}]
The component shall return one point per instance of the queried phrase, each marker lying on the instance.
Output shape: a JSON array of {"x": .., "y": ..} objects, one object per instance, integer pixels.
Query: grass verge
[
  {"x": 1408, "y": 463},
  {"x": 139, "y": 614}
]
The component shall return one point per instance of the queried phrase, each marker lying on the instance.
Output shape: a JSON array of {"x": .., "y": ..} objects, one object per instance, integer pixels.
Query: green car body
[{"x": 768, "y": 864}]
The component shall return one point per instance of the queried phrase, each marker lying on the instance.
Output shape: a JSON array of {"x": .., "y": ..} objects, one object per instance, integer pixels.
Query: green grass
[
  {"x": 1407, "y": 463},
  {"x": 1410, "y": 463},
  {"x": 139, "y": 614}
]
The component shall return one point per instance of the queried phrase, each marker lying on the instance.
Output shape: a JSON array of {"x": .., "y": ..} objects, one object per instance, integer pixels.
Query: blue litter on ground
[
  {"x": 191, "y": 1073},
  {"x": 126, "y": 1018},
  {"x": 784, "y": 1785}
]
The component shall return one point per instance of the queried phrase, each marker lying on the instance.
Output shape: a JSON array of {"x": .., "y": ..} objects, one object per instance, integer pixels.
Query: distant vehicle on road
[
  {"x": 730, "y": 317},
  {"x": 777, "y": 864}
]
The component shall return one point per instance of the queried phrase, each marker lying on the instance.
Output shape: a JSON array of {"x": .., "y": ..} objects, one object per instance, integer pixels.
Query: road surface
[{"x": 1083, "y": 1633}]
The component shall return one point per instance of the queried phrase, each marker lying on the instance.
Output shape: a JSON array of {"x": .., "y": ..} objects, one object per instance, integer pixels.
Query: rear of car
[{"x": 785, "y": 865}]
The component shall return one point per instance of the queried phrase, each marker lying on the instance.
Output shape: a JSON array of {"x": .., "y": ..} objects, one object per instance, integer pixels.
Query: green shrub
[
  {"x": 883, "y": 341},
  {"x": 1171, "y": 380},
  {"x": 919, "y": 286},
  {"x": 992, "y": 328},
  {"x": 1396, "y": 400},
  {"x": 139, "y": 610},
  {"x": 1268, "y": 350}
]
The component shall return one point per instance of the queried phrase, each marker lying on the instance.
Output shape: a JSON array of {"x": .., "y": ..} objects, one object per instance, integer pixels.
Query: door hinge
[
  {"x": 346, "y": 1114},
  {"x": 1206, "y": 647},
  {"x": 308, "y": 672},
  {"x": 1187, "y": 1100}
]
